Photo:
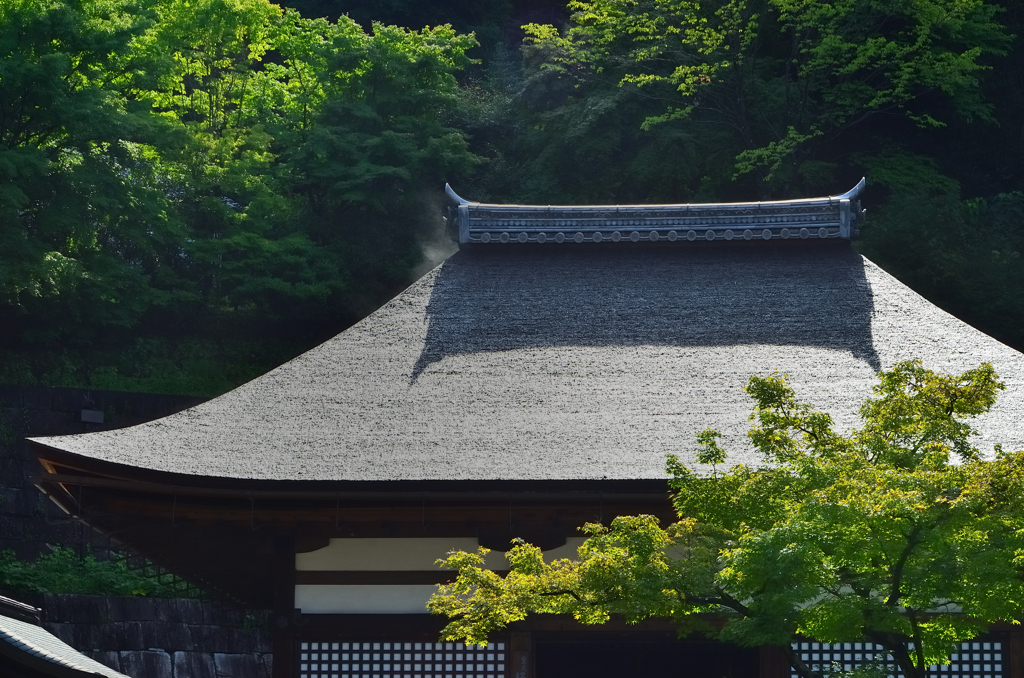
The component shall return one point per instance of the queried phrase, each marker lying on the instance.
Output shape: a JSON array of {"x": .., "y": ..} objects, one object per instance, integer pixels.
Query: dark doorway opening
[{"x": 679, "y": 659}]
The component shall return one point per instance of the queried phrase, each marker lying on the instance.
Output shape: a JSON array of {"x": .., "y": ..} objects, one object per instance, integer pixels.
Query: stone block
[
  {"x": 197, "y": 610},
  {"x": 64, "y": 631},
  {"x": 57, "y": 607},
  {"x": 76, "y": 608},
  {"x": 139, "y": 609},
  {"x": 218, "y": 615},
  {"x": 263, "y": 642},
  {"x": 147, "y": 664},
  {"x": 121, "y": 609},
  {"x": 240, "y": 640},
  {"x": 167, "y": 636},
  {"x": 108, "y": 658},
  {"x": 231, "y": 640},
  {"x": 239, "y": 666},
  {"x": 91, "y": 637},
  {"x": 133, "y": 637},
  {"x": 167, "y": 611},
  {"x": 194, "y": 665},
  {"x": 181, "y": 611},
  {"x": 147, "y": 609},
  {"x": 207, "y": 638}
]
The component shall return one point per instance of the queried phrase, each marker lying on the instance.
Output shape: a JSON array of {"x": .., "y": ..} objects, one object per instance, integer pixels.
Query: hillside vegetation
[{"x": 192, "y": 191}]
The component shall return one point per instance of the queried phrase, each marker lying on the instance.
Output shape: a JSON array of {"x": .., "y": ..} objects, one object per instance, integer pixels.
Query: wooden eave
[
  {"x": 65, "y": 468},
  {"x": 220, "y": 532}
]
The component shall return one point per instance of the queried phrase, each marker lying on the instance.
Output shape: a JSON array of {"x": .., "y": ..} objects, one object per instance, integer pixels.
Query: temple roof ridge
[{"x": 833, "y": 217}]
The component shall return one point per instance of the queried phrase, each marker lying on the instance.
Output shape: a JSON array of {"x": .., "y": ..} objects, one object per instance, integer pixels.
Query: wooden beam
[
  {"x": 389, "y": 577},
  {"x": 1014, "y": 654},
  {"x": 523, "y": 661},
  {"x": 772, "y": 663}
]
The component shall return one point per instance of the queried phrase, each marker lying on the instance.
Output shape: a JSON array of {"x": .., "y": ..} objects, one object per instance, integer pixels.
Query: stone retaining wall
[{"x": 161, "y": 637}]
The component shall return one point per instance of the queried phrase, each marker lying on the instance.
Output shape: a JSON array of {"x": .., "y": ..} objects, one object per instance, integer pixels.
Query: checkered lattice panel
[
  {"x": 974, "y": 660},
  {"x": 401, "y": 660}
]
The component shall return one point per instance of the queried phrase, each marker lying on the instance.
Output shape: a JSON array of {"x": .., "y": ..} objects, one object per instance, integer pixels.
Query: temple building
[{"x": 532, "y": 382}]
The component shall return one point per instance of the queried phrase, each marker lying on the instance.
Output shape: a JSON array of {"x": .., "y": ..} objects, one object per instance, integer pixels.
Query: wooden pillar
[
  {"x": 283, "y": 615},
  {"x": 521, "y": 655},
  {"x": 772, "y": 663},
  {"x": 1013, "y": 657}
]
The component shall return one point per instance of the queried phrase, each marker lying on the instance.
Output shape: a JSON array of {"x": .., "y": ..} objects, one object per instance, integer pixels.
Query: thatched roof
[{"x": 539, "y": 363}]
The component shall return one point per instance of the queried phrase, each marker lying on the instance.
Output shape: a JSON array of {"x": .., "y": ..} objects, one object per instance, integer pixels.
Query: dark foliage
[{"x": 193, "y": 192}]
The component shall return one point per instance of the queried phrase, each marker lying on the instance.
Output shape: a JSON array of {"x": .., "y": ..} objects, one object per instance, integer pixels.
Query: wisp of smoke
[{"x": 434, "y": 241}]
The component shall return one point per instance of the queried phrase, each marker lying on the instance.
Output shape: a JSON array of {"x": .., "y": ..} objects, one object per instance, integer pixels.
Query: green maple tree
[{"x": 900, "y": 533}]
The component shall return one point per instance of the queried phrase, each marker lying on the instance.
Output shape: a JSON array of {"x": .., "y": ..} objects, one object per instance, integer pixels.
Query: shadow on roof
[{"x": 531, "y": 297}]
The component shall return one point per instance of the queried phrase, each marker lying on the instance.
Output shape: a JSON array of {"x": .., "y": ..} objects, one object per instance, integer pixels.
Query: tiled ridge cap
[
  {"x": 18, "y": 610},
  {"x": 830, "y": 217}
]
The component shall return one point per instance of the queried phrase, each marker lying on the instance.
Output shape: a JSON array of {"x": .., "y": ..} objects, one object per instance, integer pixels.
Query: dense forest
[{"x": 192, "y": 191}]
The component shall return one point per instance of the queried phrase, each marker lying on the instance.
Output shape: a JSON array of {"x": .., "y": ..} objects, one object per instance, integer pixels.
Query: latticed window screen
[
  {"x": 975, "y": 660},
  {"x": 401, "y": 660}
]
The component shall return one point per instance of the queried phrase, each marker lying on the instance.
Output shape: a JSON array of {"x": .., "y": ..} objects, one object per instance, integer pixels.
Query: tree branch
[{"x": 895, "y": 592}]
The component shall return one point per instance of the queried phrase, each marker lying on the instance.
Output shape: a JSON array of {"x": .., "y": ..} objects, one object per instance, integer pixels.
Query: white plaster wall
[
  {"x": 566, "y": 551},
  {"x": 389, "y": 555},
  {"x": 363, "y": 598},
  {"x": 414, "y": 554}
]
